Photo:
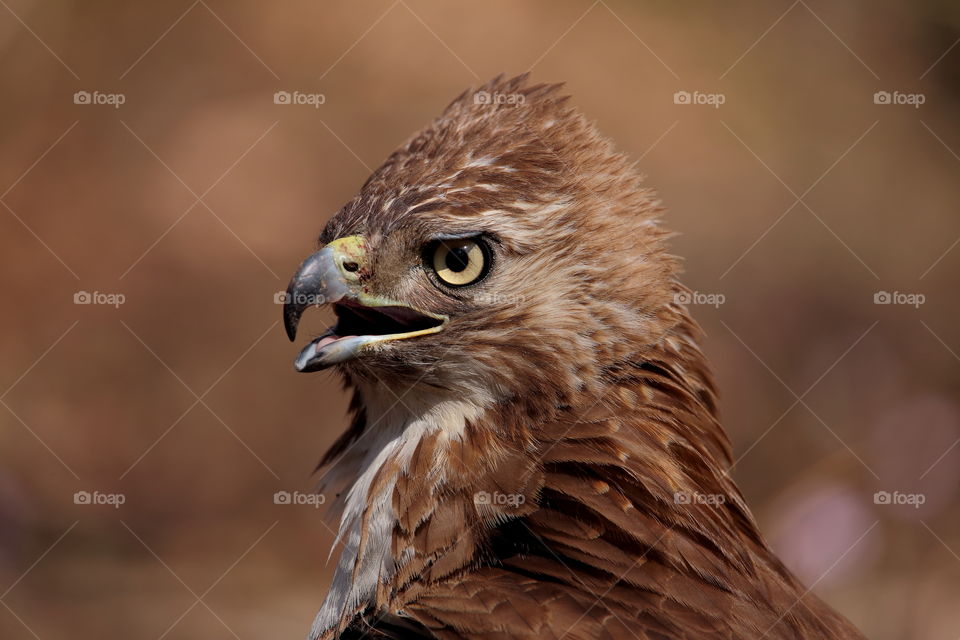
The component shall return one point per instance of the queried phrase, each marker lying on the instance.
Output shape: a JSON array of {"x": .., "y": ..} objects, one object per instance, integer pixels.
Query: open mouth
[{"x": 357, "y": 326}]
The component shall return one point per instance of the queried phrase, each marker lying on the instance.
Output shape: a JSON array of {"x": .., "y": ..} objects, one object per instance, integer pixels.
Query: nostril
[{"x": 351, "y": 266}]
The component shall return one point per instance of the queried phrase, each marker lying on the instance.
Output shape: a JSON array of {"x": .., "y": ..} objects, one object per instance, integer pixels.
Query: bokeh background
[{"x": 798, "y": 201}]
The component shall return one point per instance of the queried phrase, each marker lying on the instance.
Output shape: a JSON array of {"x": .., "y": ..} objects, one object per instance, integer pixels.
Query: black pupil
[{"x": 457, "y": 258}]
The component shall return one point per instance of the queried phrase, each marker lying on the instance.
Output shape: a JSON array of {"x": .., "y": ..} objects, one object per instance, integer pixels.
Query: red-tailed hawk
[{"x": 534, "y": 450}]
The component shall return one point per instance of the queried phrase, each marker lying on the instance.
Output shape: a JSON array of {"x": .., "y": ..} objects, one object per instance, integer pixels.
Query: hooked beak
[{"x": 335, "y": 275}]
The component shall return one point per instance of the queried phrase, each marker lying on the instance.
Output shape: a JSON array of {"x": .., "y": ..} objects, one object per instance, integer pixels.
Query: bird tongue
[{"x": 325, "y": 340}]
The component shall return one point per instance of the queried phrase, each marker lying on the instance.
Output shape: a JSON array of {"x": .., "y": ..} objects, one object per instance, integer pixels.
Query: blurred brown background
[{"x": 798, "y": 200}]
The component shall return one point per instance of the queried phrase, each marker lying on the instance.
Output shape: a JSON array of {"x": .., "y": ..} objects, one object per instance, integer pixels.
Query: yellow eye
[{"x": 460, "y": 262}]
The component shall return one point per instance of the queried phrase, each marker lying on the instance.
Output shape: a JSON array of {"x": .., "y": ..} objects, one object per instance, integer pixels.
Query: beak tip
[
  {"x": 291, "y": 332},
  {"x": 290, "y": 321}
]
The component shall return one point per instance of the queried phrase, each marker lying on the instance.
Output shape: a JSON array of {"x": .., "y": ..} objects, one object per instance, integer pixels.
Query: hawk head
[
  {"x": 530, "y": 400},
  {"x": 505, "y": 251}
]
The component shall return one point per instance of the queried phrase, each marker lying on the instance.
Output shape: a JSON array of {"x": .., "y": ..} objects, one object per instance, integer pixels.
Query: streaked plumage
[{"x": 522, "y": 448}]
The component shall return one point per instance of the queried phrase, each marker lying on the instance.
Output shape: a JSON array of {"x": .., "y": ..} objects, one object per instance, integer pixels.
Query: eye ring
[{"x": 459, "y": 262}]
